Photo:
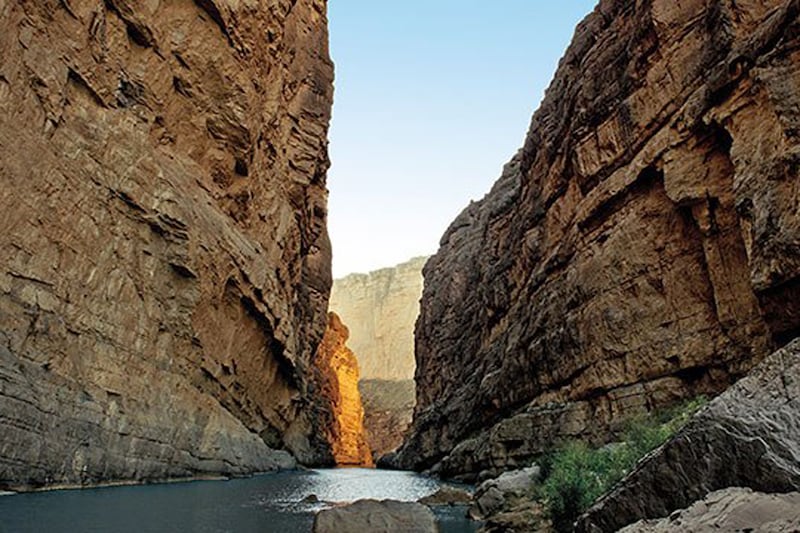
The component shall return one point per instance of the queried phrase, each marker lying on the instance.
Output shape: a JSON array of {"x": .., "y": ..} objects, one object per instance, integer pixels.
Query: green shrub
[{"x": 576, "y": 475}]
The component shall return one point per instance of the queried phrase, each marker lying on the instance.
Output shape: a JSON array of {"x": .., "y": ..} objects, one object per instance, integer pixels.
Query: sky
[{"x": 431, "y": 99}]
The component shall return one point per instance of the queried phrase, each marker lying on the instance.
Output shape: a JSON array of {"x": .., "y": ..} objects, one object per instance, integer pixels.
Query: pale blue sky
[{"x": 432, "y": 97}]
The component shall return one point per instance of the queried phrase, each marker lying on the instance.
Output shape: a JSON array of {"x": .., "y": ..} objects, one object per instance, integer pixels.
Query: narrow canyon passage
[{"x": 607, "y": 333}]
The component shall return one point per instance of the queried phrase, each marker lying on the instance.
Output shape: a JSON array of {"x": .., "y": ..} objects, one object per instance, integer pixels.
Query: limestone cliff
[
  {"x": 336, "y": 371},
  {"x": 643, "y": 245},
  {"x": 165, "y": 260},
  {"x": 380, "y": 308}
]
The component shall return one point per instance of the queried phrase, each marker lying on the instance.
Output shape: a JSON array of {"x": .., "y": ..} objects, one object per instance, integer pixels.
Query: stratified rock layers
[
  {"x": 643, "y": 246},
  {"x": 380, "y": 308},
  {"x": 165, "y": 260},
  {"x": 336, "y": 370}
]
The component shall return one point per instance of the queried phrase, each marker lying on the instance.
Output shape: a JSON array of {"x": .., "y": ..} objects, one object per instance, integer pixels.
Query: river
[{"x": 264, "y": 503}]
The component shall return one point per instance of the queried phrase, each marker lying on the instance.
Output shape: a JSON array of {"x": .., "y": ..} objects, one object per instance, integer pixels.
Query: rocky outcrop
[
  {"x": 388, "y": 406},
  {"x": 165, "y": 261},
  {"x": 380, "y": 308},
  {"x": 385, "y": 516},
  {"x": 641, "y": 247},
  {"x": 336, "y": 370},
  {"x": 747, "y": 437},
  {"x": 731, "y": 510}
]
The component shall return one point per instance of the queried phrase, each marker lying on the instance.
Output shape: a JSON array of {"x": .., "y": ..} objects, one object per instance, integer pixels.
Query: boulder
[
  {"x": 492, "y": 495},
  {"x": 386, "y": 516},
  {"x": 448, "y": 496}
]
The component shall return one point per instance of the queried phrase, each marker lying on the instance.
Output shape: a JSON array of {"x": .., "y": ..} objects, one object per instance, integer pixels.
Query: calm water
[{"x": 266, "y": 503}]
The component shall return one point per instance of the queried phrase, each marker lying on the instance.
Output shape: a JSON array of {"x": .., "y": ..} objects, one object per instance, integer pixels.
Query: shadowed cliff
[{"x": 166, "y": 265}]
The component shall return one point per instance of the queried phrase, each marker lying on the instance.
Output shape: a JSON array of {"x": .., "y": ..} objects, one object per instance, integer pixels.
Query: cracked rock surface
[
  {"x": 642, "y": 247},
  {"x": 747, "y": 437},
  {"x": 165, "y": 265}
]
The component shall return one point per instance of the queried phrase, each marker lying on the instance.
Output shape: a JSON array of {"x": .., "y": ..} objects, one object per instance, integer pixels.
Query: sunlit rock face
[
  {"x": 380, "y": 308},
  {"x": 336, "y": 369},
  {"x": 165, "y": 264},
  {"x": 642, "y": 247}
]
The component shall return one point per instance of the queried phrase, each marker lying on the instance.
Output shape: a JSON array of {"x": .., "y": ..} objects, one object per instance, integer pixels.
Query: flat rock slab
[
  {"x": 376, "y": 516},
  {"x": 734, "y": 509}
]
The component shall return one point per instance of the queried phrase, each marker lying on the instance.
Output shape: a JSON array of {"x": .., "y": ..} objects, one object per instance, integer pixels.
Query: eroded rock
[
  {"x": 747, "y": 437},
  {"x": 641, "y": 248},
  {"x": 734, "y": 509},
  {"x": 336, "y": 370},
  {"x": 382, "y": 307},
  {"x": 448, "y": 496},
  {"x": 494, "y": 495},
  {"x": 165, "y": 261}
]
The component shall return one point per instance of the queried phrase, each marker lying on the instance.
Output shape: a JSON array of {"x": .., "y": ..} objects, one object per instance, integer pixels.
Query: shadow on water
[{"x": 265, "y": 503}]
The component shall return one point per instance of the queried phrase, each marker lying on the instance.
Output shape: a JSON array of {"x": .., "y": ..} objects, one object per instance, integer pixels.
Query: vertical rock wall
[
  {"x": 164, "y": 260},
  {"x": 336, "y": 370},
  {"x": 643, "y": 246},
  {"x": 380, "y": 308}
]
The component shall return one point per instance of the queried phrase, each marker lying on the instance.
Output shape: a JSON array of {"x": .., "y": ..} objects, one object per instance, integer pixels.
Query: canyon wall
[
  {"x": 336, "y": 371},
  {"x": 643, "y": 246},
  {"x": 388, "y": 407},
  {"x": 165, "y": 262},
  {"x": 380, "y": 308}
]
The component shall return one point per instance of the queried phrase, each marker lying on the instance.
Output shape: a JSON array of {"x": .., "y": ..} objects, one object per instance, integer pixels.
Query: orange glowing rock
[{"x": 337, "y": 377}]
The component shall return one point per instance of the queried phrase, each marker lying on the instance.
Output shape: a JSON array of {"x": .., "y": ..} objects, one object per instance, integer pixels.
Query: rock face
[
  {"x": 388, "y": 406},
  {"x": 731, "y": 510},
  {"x": 747, "y": 437},
  {"x": 380, "y": 308},
  {"x": 643, "y": 246},
  {"x": 336, "y": 370},
  {"x": 165, "y": 260},
  {"x": 385, "y": 516}
]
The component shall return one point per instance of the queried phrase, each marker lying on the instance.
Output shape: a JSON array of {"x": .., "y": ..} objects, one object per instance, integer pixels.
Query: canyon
[
  {"x": 641, "y": 248},
  {"x": 381, "y": 308},
  {"x": 166, "y": 263},
  {"x": 167, "y": 309}
]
